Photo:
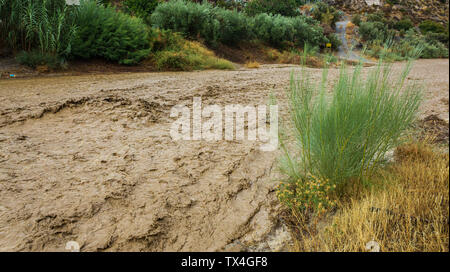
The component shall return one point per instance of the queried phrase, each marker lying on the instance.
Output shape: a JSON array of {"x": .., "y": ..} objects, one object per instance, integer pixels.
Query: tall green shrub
[
  {"x": 42, "y": 25},
  {"x": 278, "y": 30},
  {"x": 281, "y": 7},
  {"x": 217, "y": 25},
  {"x": 347, "y": 134},
  {"x": 104, "y": 32}
]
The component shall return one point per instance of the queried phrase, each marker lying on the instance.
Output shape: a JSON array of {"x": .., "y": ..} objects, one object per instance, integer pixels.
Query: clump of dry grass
[
  {"x": 252, "y": 64},
  {"x": 410, "y": 212}
]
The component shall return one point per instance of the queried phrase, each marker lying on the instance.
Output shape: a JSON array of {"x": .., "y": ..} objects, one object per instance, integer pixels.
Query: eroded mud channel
[{"x": 90, "y": 159}]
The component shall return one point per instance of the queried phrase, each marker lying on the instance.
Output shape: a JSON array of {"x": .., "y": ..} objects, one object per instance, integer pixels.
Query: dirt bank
[{"x": 89, "y": 158}]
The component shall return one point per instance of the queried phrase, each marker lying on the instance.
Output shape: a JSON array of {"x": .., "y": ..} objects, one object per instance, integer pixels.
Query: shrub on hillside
[
  {"x": 141, "y": 8},
  {"x": 371, "y": 31},
  {"x": 232, "y": 26},
  {"x": 217, "y": 25},
  {"x": 404, "y": 24},
  {"x": 282, "y": 7},
  {"x": 356, "y": 19},
  {"x": 104, "y": 32},
  {"x": 431, "y": 26},
  {"x": 326, "y": 14},
  {"x": 192, "y": 19},
  {"x": 280, "y": 31}
]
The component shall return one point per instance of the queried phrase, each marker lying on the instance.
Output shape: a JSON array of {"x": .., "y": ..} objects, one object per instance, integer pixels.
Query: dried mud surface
[{"x": 89, "y": 158}]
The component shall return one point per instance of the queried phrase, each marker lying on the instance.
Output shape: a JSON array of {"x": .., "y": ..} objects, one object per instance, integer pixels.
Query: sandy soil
[{"x": 89, "y": 158}]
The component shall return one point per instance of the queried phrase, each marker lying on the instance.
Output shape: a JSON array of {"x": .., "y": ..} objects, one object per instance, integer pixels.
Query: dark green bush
[
  {"x": 404, "y": 24},
  {"x": 371, "y": 31},
  {"x": 356, "y": 19},
  {"x": 279, "y": 31},
  {"x": 36, "y": 58},
  {"x": 326, "y": 14},
  {"x": 376, "y": 17},
  {"x": 282, "y": 7},
  {"x": 217, "y": 25},
  {"x": 430, "y": 49},
  {"x": 141, "y": 8},
  {"x": 431, "y": 26},
  {"x": 104, "y": 32},
  {"x": 192, "y": 19},
  {"x": 45, "y": 25},
  {"x": 232, "y": 26}
]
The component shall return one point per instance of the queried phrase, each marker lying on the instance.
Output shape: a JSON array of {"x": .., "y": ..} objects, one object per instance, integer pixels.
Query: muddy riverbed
[{"x": 90, "y": 159}]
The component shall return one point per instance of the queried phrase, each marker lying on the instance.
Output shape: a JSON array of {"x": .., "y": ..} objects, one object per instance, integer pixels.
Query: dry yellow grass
[
  {"x": 252, "y": 64},
  {"x": 409, "y": 212}
]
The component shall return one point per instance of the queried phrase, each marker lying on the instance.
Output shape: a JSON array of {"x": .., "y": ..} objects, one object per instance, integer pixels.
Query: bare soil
[{"x": 89, "y": 158}]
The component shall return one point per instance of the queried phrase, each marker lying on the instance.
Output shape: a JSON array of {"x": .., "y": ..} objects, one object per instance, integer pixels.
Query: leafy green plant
[
  {"x": 326, "y": 14},
  {"x": 280, "y": 31},
  {"x": 346, "y": 135},
  {"x": 172, "y": 52},
  {"x": 141, "y": 8},
  {"x": 44, "y": 25},
  {"x": 104, "y": 32},
  {"x": 356, "y": 19},
  {"x": 431, "y": 26},
  {"x": 281, "y": 7},
  {"x": 37, "y": 58},
  {"x": 217, "y": 25},
  {"x": 404, "y": 24}
]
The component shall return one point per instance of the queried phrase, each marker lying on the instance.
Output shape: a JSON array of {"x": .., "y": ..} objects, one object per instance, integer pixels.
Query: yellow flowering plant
[{"x": 309, "y": 194}]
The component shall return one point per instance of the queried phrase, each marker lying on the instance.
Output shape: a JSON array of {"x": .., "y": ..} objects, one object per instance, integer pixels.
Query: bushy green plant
[
  {"x": 371, "y": 31},
  {"x": 430, "y": 48},
  {"x": 141, "y": 8},
  {"x": 282, "y": 7},
  {"x": 346, "y": 135},
  {"x": 279, "y": 31},
  {"x": 232, "y": 26},
  {"x": 44, "y": 25},
  {"x": 37, "y": 58},
  {"x": 376, "y": 17},
  {"x": 404, "y": 24},
  {"x": 217, "y": 25},
  {"x": 431, "y": 26},
  {"x": 104, "y": 32},
  {"x": 356, "y": 19},
  {"x": 192, "y": 19},
  {"x": 326, "y": 14},
  {"x": 175, "y": 53}
]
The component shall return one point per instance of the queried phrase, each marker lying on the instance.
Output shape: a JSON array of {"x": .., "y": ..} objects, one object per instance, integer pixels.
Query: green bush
[
  {"x": 232, "y": 26},
  {"x": 326, "y": 14},
  {"x": 371, "y": 31},
  {"x": 431, "y": 26},
  {"x": 376, "y": 17},
  {"x": 175, "y": 53},
  {"x": 217, "y": 25},
  {"x": 356, "y": 19},
  {"x": 345, "y": 135},
  {"x": 281, "y": 7},
  {"x": 44, "y": 25},
  {"x": 36, "y": 58},
  {"x": 141, "y": 8},
  {"x": 280, "y": 31},
  {"x": 104, "y": 32},
  {"x": 430, "y": 49},
  {"x": 192, "y": 19},
  {"x": 404, "y": 24}
]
